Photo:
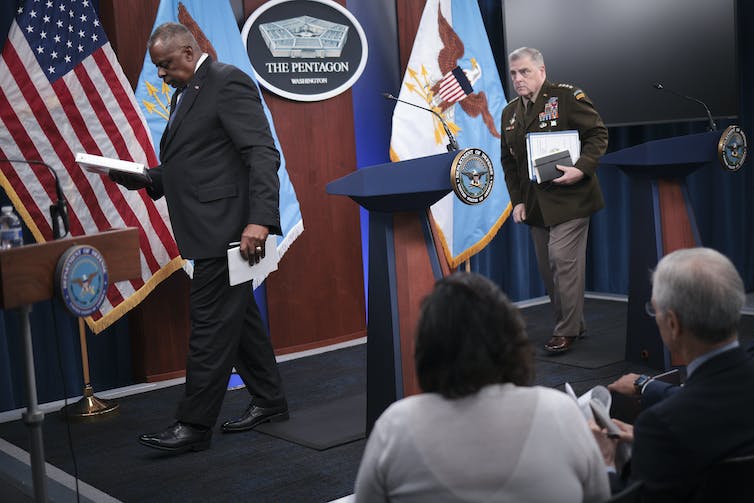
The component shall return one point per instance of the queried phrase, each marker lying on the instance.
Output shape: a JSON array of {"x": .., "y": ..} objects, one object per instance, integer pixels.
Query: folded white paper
[
  {"x": 600, "y": 395},
  {"x": 240, "y": 271}
]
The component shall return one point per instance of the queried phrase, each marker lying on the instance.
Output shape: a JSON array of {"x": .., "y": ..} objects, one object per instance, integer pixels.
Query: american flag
[
  {"x": 455, "y": 86},
  {"x": 62, "y": 91}
]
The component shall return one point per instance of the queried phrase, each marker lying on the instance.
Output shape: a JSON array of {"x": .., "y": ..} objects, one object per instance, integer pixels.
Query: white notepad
[
  {"x": 240, "y": 271},
  {"x": 103, "y": 165}
]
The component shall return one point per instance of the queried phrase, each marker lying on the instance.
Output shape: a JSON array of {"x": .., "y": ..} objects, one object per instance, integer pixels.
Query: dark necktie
[{"x": 174, "y": 108}]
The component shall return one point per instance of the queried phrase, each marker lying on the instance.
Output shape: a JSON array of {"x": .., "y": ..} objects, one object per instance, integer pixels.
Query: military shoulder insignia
[
  {"x": 81, "y": 280},
  {"x": 579, "y": 94},
  {"x": 472, "y": 175},
  {"x": 731, "y": 148},
  {"x": 565, "y": 86}
]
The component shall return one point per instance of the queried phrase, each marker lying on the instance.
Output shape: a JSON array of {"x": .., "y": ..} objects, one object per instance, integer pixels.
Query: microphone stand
[
  {"x": 33, "y": 418},
  {"x": 712, "y": 126},
  {"x": 452, "y": 143}
]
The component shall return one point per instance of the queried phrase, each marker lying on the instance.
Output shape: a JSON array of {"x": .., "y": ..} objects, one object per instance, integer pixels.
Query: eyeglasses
[{"x": 650, "y": 309}]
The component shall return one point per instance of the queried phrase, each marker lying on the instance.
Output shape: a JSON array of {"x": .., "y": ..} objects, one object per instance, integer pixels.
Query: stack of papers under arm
[
  {"x": 103, "y": 165},
  {"x": 548, "y": 142}
]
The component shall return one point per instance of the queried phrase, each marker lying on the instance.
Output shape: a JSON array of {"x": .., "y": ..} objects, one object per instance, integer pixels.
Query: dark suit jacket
[
  {"x": 219, "y": 163},
  {"x": 550, "y": 204},
  {"x": 708, "y": 420}
]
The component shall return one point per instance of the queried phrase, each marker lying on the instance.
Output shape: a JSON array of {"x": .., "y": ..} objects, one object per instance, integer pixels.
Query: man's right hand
[
  {"x": 519, "y": 213},
  {"x": 128, "y": 181}
]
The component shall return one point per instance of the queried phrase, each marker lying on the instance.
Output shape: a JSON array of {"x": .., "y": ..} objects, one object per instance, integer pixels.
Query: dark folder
[{"x": 545, "y": 169}]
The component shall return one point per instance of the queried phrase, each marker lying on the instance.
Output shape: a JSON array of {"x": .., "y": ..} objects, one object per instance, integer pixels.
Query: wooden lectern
[
  {"x": 662, "y": 221},
  {"x": 404, "y": 264},
  {"x": 27, "y": 276}
]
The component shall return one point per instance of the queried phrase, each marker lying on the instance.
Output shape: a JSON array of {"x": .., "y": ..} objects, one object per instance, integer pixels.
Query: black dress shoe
[
  {"x": 254, "y": 416},
  {"x": 180, "y": 437}
]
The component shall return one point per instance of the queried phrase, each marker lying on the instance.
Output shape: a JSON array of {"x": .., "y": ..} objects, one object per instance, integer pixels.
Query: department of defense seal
[
  {"x": 81, "y": 279},
  {"x": 472, "y": 175},
  {"x": 731, "y": 148}
]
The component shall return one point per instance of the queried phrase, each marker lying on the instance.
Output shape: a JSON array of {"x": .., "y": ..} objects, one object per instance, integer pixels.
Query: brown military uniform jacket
[{"x": 559, "y": 107}]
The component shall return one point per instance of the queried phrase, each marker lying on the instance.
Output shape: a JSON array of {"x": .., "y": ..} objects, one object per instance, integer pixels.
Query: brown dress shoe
[{"x": 558, "y": 344}]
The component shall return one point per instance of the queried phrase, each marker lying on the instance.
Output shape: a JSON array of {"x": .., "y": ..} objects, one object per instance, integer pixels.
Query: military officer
[{"x": 558, "y": 211}]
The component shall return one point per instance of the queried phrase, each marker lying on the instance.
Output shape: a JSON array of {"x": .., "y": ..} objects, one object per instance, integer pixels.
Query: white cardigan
[{"x": 504, "y": 443}]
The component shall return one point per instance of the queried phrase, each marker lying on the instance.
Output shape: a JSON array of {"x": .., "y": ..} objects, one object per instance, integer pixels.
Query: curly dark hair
[{"x": 470, "y": 335}]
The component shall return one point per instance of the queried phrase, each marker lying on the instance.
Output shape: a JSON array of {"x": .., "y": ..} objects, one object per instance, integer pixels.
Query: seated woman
[{"x": 479, "y": 432}]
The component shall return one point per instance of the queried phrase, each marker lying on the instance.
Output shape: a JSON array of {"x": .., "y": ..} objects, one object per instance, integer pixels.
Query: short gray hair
[
  {"x": 174, "y": 33},
  {"x": 527, "y": 52},
  {"x": 703, "y": 288}
]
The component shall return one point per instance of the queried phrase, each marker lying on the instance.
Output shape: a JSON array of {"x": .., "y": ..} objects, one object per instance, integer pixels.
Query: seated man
[
  {"x": 697, "y": 296},
  {"x": 650, "y": 389}
]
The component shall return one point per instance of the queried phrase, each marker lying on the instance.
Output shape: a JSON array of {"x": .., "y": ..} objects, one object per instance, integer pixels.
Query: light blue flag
[
  {"x": 472, "y": 230},
  {"x": 217, "y": 22},
  {"x": 450, "y": 36}
]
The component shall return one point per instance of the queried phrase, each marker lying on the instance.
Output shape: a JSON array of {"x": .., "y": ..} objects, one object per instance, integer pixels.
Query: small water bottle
[{"x": 11, "y": 234}]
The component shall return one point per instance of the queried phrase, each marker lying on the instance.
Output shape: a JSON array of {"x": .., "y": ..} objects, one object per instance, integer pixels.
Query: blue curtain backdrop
[{"x": 725, "y": 215}]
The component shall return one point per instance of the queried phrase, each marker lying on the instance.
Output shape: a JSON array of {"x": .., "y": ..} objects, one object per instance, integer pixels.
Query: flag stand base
[{"x": 90, "y": 408}]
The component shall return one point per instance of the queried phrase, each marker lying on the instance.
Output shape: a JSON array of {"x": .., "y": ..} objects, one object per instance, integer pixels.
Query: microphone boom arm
[
  {"x": 58, "y": 210},
  {"x": 452, "y": 143},
  {"x": 712, "y": 125}
]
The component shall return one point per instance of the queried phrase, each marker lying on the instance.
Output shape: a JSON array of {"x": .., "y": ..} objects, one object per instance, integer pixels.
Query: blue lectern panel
[
  {"x": 674, "y": 157},
  {"x": 398, "y": 186}
]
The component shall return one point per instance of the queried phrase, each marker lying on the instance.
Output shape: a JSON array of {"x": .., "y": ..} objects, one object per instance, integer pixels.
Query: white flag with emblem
[{"x": 452, "y": 71}]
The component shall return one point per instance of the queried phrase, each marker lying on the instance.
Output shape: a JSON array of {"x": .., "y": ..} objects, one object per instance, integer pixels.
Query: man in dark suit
[
  {"x": 697, "y": 296},
  {"x": 557, "y": 212},
  {"x": 648, "y": 389},
  {"x": 218, "y": 173}
]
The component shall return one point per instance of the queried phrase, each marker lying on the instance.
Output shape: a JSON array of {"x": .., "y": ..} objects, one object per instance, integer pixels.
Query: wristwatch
[{"x": 640, "y": 382}]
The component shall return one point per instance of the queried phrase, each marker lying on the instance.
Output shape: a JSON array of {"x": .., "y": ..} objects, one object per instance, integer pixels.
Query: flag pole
[{"x": 89, "y": 408}]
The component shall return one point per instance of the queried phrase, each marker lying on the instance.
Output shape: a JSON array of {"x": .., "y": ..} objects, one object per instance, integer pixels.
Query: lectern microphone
[
  {"x": 58, "y": 210},
  {"x": 452, "y": 143},
  {"x": 712, "y": 125}
]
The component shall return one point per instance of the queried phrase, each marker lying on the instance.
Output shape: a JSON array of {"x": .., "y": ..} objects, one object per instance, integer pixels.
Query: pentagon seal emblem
[
  {"x": 81, "y": 280},
  {"x": 305, "y": 50},
  {"x": 731, "y": 149},
  {"x": 472, "y": 175}
]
